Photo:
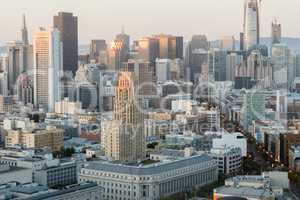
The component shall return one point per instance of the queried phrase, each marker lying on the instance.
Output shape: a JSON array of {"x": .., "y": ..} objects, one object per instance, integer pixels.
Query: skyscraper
[
  {"x": 251, "y": 23},
  {"x": 227, "y": 43},
  {"x": 196, "y": 55},
  {"x": 276, "y": 32},
  {"x": 124, "y": 135},
  {"x": 199, "y": 42},
  {"x": 170, "y": 47},
  {"x": 124, "y": 51},
  {"x": 114, "y": 54},
  {"x": 27, "y": 48},
  {"x": 217, "y": 64},
  {"x": 16, "y": 63},
  {"x": 232, "y": 61},
  {"x": 98, "y": 48},
  {"x": 66, "y": 23},
  {"x": 47, "y": 50},
  {"x": 148, "y": 49},
  {"x": 24, "y": 32}
]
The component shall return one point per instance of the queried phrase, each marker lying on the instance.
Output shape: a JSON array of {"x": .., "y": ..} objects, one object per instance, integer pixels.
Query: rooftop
[
  {"x": 148, "y": 169},
  {"x": 248, "y": 192}
]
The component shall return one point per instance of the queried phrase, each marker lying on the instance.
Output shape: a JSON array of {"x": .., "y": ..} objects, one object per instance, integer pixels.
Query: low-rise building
[
  {"x": 268, "y": 186},
  {"x": 229, "y": 159},
  {"x": 150, "y": 182},
  {"x": 12, "y": 174},
  {"x": 33, "y": 191},
  {"x": 57, "y": 176},
  {"x": 50, "y": 136}
]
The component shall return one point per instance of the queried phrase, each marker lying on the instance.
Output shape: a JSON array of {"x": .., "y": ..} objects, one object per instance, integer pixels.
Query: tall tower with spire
[
  {"x": 251, "y": 23},
  {"x": 24, "y": 31}
]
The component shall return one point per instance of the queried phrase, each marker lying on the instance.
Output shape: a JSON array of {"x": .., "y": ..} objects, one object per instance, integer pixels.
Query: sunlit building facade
[{"x": 47, "y": 67}]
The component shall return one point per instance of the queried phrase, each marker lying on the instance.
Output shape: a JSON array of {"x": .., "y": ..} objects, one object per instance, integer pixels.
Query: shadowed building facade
[{"x": 67, "y": 24}]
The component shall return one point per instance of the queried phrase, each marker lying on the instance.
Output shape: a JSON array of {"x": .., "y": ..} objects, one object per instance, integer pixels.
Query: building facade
[
  {"x": 67, "y": 24},
  {"x": 47, "y": 68},
  {"x": 151, "y": 182}
]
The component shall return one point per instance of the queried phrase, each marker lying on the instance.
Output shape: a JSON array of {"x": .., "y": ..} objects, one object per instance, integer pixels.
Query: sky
[{"x": 103, "y": 19}]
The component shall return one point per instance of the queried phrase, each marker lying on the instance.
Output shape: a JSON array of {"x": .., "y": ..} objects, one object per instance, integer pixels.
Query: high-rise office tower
[
  {"x": 254, "y": 107},
  {"x": 276, "y": 32},
  {"x": 170, "y": 47},
  {"x": 251, "y": 23},
  {"x": 124, "y": 135},
  {"x": 217, "y": 64},
  {"x": 195, "y": 55},
  {"x": 242, "y": 41},
  {"x": 233, "y": 60},
  {"x": 47, "y": 48},
  {"x": 147, "y": 49},
  {"x": 3, "y": 83},
  {"x": 198, "y": 57},
  {"x": 227, "y": 43},
  {"x": 257, "y": 68},
  {"x": 284, "y": 63},
  {"x": 24, "y": 32},
  {"x": 4, "y": 62},
  {"x": 16, "y": 62},
  {"x": 199, "y": 42},
  {"x": 176, "y": 47},
  {"x": 24, "y": 89},
  {"x": 144, "y": 72},
  {"x": 125, "y": 40},
  {"x": 114, "y": 55},
  {"x": 97, "y": 49},
  {"x": 297, "y": 65},
  {"x": 66, "y": 23},
  {"x": 163, "y": 45}
]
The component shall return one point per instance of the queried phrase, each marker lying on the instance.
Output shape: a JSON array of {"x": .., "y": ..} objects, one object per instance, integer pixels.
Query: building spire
[
  {"x": 24, "y": 31},
  {"x": 24, "y": 22},
  {"x": 123, "y": 30}
]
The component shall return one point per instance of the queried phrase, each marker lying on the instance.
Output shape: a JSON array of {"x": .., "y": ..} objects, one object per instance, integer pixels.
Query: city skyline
[{"x": 93, "y": 18}]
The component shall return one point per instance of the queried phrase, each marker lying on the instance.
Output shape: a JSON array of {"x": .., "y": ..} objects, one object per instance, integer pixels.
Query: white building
[
  {"x": 268, "y": 186},
  {"x": 150, "y": 182},
  {"x": 229, "y": 159},
  {"x": 231, "y": 139},
  {"x": 163, "y": 70},
  {"x": 67, "y": 107},
  {"x": 183, "y": 105}
]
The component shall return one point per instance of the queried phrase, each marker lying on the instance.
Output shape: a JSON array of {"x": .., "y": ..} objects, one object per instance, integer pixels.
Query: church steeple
[{"x": 24, "y": 31}]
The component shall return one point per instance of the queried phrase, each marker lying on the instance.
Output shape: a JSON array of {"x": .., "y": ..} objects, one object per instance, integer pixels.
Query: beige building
[
  {"x": 36, "y": 138},
  {"x": 67, "y": 107},
  {"x": 47, "y": 67},
  {"x": 227, "y": 43},
  {"x": 124, "y": 137}
]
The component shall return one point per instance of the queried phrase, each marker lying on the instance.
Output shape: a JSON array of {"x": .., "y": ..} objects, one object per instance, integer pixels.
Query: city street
[{"x": 259, "y": 158}]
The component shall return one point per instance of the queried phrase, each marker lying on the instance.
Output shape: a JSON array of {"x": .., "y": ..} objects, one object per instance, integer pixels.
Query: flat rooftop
[
  {"x": 248, "y": 192},
  {"x": 147, "y": 169}
]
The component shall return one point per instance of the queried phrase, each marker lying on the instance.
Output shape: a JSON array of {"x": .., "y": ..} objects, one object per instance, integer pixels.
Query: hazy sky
[{"x": 104, "y": 18}]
